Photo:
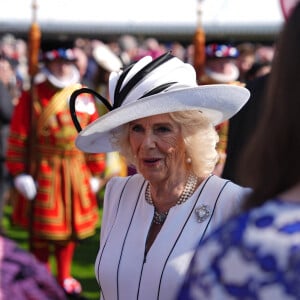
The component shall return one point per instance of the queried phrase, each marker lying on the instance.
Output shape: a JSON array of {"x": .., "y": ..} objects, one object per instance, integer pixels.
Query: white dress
[{"x": 122, "y": 269}]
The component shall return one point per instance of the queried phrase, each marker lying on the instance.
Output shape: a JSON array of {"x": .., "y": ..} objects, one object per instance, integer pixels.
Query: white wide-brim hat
[{"x": 152, "y": 87}]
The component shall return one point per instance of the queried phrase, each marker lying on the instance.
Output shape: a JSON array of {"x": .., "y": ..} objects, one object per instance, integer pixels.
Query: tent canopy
[{"x": 166, "y": 19}]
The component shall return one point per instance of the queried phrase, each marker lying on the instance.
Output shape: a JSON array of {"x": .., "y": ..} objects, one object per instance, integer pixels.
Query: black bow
[{"x": 73, "y": 97}]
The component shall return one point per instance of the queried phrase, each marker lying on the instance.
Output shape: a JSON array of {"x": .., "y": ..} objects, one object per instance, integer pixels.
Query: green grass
[{"x": 84, "y": 258}]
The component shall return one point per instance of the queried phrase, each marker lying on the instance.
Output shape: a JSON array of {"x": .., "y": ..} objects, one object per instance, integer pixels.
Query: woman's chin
[{"x": 153, "y": 176}]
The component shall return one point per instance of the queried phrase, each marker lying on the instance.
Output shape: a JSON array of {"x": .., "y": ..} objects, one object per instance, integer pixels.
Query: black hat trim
[{"x": 121, "y": 95}]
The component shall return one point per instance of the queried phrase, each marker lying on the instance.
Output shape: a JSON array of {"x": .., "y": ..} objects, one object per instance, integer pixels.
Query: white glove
[
  {"x": 95, "y": 184},
  {"x": 25, "y": 185}
]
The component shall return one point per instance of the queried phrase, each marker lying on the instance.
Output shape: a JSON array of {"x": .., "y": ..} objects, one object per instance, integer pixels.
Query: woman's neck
[{"x": 167, "y": 194}]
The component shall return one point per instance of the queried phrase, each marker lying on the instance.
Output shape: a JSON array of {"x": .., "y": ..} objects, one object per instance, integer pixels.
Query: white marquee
[{"x": 141, "y": 16}]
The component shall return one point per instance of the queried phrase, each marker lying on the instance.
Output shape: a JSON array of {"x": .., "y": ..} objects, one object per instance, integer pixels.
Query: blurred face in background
[
  {"x": 221, "y": 65},
  {"x": 61, "y": 69},
  {"x": 6, "y": 72},
  {"x": 245, "y": 62}
]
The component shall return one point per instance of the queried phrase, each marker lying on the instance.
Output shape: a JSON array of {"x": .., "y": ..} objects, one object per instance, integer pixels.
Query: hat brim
[{"x": 218, "y": 102}]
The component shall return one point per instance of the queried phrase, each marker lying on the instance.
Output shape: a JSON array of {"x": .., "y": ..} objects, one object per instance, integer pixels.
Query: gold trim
[{"x": 57, "y": 103}]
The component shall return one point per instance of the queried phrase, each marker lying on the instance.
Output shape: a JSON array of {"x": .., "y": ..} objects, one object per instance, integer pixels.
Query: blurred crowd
[{"x": 252, "y": 60}]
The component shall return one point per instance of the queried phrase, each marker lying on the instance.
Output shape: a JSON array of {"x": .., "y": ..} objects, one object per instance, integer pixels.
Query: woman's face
[{"x": 158, "y": 147}]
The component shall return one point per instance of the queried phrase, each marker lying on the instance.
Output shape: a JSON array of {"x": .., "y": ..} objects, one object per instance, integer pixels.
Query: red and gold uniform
[
  {"x": 49, "y": 169},
  {"x": 65, "y": 207}
]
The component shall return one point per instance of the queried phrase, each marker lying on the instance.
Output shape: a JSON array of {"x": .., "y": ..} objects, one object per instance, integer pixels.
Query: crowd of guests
[{"x": 252, "y": 58}]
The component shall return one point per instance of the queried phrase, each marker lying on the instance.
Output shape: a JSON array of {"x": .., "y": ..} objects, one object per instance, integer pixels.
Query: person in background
[
  {"x": 220, "y": 68},
  {"x": 245, "y": 60},
  {"x": 129, "y": 49},
  {"x": 256, "y": 255},
  {"x": 263, "y": 60},
  {"x": 220, "y": 64},
  {"x": 178, "y": 50},
  {"x": 243, "y": 125},
  {"x": 107, "y": 61},
  {"x": 150, "y": 47},
  {"x": 81, "y": 63},
  {"x": 55, "y": 182},
  {"x": 90, "y": 66},
  {"x": 162, "y": 122},
  {"x": 11, "y": 51}
]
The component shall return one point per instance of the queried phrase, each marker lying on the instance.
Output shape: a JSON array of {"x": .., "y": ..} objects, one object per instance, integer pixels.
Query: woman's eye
[
  {"x": 163, "y": 129},
  {"x": 136, "y": 128}
]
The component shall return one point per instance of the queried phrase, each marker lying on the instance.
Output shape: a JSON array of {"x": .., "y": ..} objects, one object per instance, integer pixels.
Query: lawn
[{"x": 83, "y": 264}]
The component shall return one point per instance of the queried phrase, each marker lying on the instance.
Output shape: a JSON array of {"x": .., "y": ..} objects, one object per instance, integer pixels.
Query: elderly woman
[{"x": 163, "y": 123}]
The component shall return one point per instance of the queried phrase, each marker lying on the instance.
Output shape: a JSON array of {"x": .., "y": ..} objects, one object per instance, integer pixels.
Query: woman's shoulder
[
  {"x": 229, "y": 185},
  {"x": 124, "y": 179},
  {"x": 118, "y": 182},
  {"x": 230, "y": 196},
  {"x": 225, "y": 180},
  {"x": 118, "y": 188}
]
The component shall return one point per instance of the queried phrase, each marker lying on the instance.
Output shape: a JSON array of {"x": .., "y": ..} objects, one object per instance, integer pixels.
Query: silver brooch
[{"x": 202, "y": 213}]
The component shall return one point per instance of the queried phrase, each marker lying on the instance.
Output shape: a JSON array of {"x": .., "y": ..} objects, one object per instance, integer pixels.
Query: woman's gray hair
[{"x": 199, "y": 135}]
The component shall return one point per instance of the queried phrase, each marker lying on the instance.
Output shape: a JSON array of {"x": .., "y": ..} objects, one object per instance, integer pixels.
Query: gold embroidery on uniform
[{"x": 57, "y": 103}]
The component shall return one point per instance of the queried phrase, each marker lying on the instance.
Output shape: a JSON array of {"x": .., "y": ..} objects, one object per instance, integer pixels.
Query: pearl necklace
[{"x": 189, "y": 188}]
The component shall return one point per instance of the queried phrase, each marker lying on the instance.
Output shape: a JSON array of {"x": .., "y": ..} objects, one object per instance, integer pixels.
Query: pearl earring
[{"x": 188, "y": 160}]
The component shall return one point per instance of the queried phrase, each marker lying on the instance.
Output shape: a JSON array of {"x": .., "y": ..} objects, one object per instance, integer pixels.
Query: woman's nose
[{"x": 148, "y": 140}]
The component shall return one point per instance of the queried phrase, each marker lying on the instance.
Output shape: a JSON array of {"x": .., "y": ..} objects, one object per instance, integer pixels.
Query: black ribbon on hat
[
  {"x": 119, "y": 94},
  {"x": 72, "y": 102}
]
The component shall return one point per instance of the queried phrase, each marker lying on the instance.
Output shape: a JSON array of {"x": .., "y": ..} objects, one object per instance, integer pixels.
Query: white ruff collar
[
  {"x": 59, "y": 83},
  {"x": 223, "y": 78}
]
